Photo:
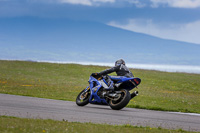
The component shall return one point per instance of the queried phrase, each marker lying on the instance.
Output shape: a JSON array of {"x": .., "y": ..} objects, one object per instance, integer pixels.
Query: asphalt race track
[{"x": 30, "y": 107}]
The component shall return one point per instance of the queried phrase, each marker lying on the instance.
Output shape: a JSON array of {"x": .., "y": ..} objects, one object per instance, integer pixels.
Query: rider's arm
[{"x": 107, "y": 71}]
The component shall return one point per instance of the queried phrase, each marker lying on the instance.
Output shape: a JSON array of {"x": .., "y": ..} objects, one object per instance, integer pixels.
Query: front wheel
[
  {"x": 83, "y": 98},
  {"x": 121, "y": 101}
]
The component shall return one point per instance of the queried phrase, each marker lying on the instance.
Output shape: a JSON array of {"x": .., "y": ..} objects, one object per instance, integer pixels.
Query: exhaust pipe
[{"x": 135, "y": 93}]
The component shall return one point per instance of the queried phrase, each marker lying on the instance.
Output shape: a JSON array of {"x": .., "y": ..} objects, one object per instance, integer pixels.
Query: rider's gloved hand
[{"x": 96, "y": 75}]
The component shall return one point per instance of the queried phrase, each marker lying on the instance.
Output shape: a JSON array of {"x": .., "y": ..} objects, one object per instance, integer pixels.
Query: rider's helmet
[{"x": 119, "y": 62}]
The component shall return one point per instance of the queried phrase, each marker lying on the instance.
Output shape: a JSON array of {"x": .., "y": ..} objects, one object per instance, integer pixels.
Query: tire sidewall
[
  {"x": 84, "y": 102},
  {"x": 122, "y": 103}
]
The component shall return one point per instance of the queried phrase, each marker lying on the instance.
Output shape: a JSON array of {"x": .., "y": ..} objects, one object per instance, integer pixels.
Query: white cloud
[
  {"x": 188, "y": 32},
  {"x": 82, "y": 2},
  {"x": 177, "y": 3},
  {"x": 137, "y": 3},
  {"x": 104, "y": 1},
  {"x": 86, "y": 2},
  {"x": 75, "y": 2}
]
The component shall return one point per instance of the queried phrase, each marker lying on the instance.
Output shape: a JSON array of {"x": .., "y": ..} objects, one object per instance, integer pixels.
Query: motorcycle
[{"x": 99, "y": 91}]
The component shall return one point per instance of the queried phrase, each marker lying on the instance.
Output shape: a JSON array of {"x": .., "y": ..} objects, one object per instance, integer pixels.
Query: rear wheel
[
  {"x": 83, "y": 98},
  {"x": 121, "y": 101}
]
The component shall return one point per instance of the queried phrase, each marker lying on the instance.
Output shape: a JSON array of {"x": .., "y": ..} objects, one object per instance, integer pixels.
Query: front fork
[{"x": 86, "y": 91}]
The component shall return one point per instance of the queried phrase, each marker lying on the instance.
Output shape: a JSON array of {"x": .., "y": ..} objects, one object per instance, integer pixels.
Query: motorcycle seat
[{"x": 115, "y": 78}]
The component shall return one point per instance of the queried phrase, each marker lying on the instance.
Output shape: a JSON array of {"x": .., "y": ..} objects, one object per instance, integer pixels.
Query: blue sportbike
[{"x": 99, "y": 92}]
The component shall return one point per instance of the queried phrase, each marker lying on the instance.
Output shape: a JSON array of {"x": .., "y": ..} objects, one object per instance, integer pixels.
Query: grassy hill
[{"x": 158, "y": 90}]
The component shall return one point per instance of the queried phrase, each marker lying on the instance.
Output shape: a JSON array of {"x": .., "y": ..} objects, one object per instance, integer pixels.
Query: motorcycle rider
[{"x": 120, "y": 69}]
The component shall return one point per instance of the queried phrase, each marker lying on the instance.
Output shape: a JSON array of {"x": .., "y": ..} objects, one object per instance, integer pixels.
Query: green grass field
[
  {"x": 21, "y": 125},
  {"x": 158, "y": 90}
]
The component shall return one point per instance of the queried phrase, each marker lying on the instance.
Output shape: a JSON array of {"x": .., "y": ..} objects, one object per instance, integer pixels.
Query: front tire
[
  {"x": 83, "y": 98},
  {"x": 122, "y": 101}
]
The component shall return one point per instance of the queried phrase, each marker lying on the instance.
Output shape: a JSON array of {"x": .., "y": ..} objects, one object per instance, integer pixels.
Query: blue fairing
[
  {"x": 126, "y": 82},
  {"x": 120, "y": 78},
  {"x": 95, "y": 85},
  {"x": 94, "y": 88}
]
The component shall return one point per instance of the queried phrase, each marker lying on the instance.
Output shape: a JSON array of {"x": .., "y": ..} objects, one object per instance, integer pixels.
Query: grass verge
[
  {"x": 158, "y": 90},
  {"x": 20, "y": 125}
]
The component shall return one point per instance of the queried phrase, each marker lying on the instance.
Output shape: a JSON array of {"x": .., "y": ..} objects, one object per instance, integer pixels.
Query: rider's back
[{"x": 121, "y": 70}]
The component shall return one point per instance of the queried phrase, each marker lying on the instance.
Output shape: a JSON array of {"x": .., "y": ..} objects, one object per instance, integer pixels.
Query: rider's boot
[
  {"x": 117, "y": 85},
  {"x": 108, "y": 91},
  {"x": 111, "y": 89}
]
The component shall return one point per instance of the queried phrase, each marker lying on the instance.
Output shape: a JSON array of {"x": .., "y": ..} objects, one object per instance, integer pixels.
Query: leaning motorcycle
[{"x": 98, "y": 91}]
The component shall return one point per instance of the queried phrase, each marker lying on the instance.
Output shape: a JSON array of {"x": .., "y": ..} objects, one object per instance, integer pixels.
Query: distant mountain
[{"x": 30, "y": 38}]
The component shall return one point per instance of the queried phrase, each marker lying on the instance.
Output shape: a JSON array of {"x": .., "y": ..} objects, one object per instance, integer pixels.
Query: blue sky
[{"x": 168, "y": 19}]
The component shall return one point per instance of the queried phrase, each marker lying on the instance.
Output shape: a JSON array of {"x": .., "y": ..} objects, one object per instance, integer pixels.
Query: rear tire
[
  {"x": 122, "y": 101},
  {"x": 83, "y": 98}
]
